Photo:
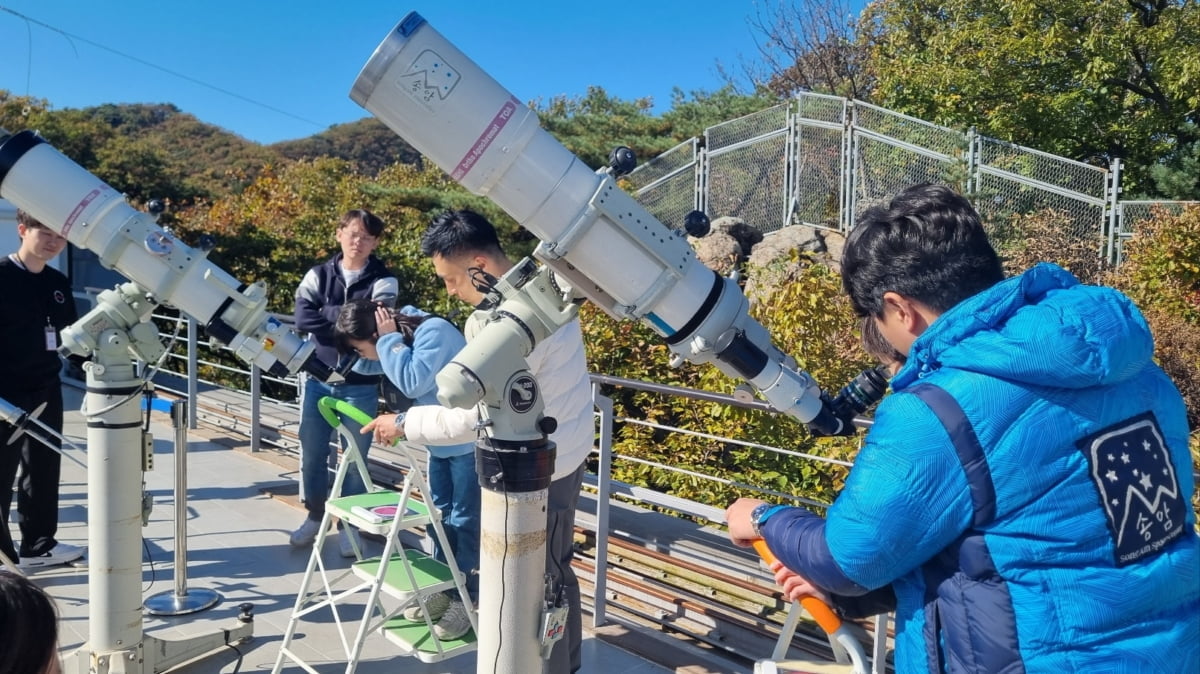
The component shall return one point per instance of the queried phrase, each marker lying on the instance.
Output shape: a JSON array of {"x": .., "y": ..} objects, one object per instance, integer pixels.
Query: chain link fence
[{"x": 820, "y": 161}]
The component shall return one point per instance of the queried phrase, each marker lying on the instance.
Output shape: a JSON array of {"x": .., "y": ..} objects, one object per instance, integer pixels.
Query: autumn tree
[
  {"x": 809, "y": 45},
  {"x": 1091, "y": 80}
]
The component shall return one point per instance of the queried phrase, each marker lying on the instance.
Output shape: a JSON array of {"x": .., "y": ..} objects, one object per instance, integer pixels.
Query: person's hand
[
  {"x": 385, "y": 321},
  {"x": 737, "y": 516},
  {"x": 384, "y": 429},
  {"x": 796, "y": 587}
]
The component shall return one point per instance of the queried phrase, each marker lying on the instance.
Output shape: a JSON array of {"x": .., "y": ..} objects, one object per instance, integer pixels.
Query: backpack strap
[{"x": 966, "y": 444}]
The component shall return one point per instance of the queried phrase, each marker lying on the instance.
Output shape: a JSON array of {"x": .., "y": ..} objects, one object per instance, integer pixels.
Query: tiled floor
[{"x": 237, "y": 546}]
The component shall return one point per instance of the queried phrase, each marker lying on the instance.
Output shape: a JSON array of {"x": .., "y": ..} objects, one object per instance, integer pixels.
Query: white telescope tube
[
  {"x": 438, "y": 100},
  {"x": 71, "y": 201}
]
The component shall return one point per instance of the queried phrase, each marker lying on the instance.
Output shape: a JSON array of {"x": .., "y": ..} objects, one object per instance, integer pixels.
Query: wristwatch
[
  {"x": 399, "y": 422},
  {"x": 760, "y": 514}
]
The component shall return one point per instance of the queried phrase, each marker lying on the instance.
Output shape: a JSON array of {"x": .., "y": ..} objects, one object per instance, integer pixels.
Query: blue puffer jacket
[{"x": 1025, "y": 492}]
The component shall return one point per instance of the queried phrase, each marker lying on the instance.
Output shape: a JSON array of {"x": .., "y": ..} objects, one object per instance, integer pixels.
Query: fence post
[
  {"x": 603, "y": 494},
  {"x": 1113, "y": 205},
  {"x": 972, "y": 162},
  {"x": 791, "y": 161},
  {"x": 255, "y": 408},
  {"x": 193, "y": 376},
  {"x": 700, "y": 156},
  {"x": 849, "y": 166}
]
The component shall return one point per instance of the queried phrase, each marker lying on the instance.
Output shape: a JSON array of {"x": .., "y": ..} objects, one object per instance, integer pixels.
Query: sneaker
[
  {"x": 437, "y": 605},
  {"x": 306, "y": 534},
  {"x": 61, "y": 553},
  {"x": 454, "y": 622},
  {"x": 346, "y": 543}
]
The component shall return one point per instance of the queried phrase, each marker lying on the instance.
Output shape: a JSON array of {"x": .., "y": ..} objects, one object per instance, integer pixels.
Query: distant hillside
[
  {"x": 155, "y": 150},
  {"x": 367, "y": 143}
]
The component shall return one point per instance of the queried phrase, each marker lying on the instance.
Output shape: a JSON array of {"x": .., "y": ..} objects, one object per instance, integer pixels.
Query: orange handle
[{"x": 818, "y": 609}]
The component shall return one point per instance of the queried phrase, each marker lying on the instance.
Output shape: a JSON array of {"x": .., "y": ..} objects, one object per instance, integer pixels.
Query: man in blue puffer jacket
[{"x": 1023, "y": 499}]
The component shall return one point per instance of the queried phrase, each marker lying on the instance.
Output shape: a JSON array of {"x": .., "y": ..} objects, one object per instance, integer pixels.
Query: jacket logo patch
[{"x": 1136, "y": 481}]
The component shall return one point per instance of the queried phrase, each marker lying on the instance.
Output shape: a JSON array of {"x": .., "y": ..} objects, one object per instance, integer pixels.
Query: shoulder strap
[{"x": 966, "y": 444}]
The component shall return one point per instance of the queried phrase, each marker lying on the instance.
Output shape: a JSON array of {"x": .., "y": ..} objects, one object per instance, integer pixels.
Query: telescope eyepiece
[{"x": 860, "y": 394}]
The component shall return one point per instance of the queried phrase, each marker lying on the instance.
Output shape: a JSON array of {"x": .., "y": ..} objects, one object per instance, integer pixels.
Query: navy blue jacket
[{"x": 320, "y": 297}]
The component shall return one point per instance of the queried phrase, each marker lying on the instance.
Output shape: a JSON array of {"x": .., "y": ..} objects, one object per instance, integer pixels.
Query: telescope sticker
[
  {"x": 522, "y": 394},
  {"x": 75, "y": 212},
  {"x": 428, "y": 78},
  {"x": 485, "y": 139}
]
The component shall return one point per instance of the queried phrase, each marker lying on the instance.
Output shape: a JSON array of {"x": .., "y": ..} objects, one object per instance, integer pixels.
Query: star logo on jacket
[{"x": 1132, "y": 470}]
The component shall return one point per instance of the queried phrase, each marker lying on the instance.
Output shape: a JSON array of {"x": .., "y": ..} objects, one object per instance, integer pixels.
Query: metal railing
[
  {"x": 820, "y": 161},
  {"x": 608, "y": 491}
]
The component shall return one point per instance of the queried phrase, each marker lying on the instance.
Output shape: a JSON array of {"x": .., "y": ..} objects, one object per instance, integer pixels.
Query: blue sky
[{"x": 302, "y": 56}]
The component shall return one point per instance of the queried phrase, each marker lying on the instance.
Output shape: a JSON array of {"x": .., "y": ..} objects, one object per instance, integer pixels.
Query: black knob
[
  {"x": 696, "y": 224},
  {"x": 548, "y": 425},
  {"x": 155, "y": 206},
  {"x": 246, "y": 612},
  {"x": 622, "y": 161}
]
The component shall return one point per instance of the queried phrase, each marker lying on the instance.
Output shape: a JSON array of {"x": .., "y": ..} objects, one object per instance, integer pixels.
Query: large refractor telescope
[
  {"x": 71, "y": 201},
  {"x": 595, "y": 237},
  {"x": 596, "y": 243}
]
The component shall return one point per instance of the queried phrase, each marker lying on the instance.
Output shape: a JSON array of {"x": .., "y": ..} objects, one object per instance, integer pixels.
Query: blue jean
[
  {"x": 454, "y": 490},
  {"x": 315, "y": 435}
]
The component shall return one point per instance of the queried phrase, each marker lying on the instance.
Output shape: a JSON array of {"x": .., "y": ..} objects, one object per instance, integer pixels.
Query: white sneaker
[
  {"x": 61, "y": 553},
  {"x": 306, "y": 534},
  {"x": 437, "y": 605},
  {"x": 345, "y": 543},
  {"x": 454, "y": 622}
]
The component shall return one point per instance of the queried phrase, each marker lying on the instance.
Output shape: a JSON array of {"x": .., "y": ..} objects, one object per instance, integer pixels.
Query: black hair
[
  {"x": 29, "y": 624},
  {"x": 876, "y": 346},
  {"x": 927, "y": 244},
  {"x": 24, "y": 218},
  {"x": 455, "y": 233},
  {"x": 356, "y": 320},
  {"x": 370, "y": 222}
]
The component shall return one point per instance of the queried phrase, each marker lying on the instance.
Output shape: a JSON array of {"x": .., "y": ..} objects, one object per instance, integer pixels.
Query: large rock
[
  {"x": 769, "y": 259},
  {"x": 725, "y": 247},
  {"x": 783, "y": 253}
]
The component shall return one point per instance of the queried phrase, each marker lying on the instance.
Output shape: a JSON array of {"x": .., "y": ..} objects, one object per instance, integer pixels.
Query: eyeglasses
[{"x": 359, "y": 236}]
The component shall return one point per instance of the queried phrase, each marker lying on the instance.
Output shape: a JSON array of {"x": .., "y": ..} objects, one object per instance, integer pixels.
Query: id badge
[{"x": 51, "y": 338}]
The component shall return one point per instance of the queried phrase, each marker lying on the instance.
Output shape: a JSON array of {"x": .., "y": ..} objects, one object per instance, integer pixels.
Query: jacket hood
[{"x": 1042, "y": 327}]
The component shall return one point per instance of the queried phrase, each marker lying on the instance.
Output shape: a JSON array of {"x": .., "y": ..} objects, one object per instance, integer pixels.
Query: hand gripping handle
[{"x": 824, "y": 616}]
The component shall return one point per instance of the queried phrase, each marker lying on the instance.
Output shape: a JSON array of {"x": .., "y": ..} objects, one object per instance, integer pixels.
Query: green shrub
[
  {"x": 1161, "y": 274},
  {"x": 1048, "y": 236},
  {"x": 809, "y": 319}
]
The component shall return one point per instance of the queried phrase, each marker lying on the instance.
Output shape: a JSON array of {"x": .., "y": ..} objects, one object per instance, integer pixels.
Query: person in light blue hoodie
[
  {"x": 1022, "y": 501},
  {"x": 411, "y": 346}
]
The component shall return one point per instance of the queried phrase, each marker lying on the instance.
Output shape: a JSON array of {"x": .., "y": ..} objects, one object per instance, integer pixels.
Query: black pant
[
  {"x": 562, "y": 500},
  {"x": 37, "y": 493}
]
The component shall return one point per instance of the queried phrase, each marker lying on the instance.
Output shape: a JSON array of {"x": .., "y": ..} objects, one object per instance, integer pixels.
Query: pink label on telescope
[
  {"x": 485, "y": 139},
  {"x": 91, "y": 196}
]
